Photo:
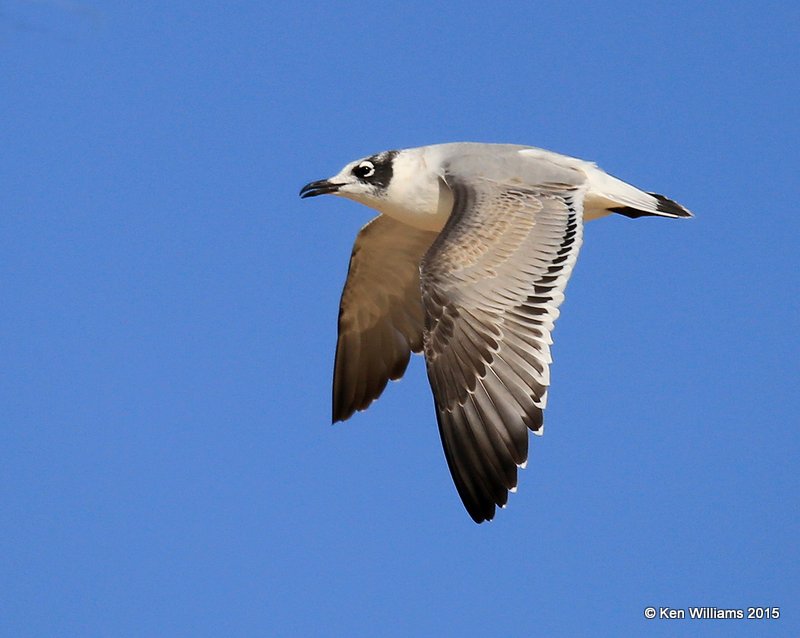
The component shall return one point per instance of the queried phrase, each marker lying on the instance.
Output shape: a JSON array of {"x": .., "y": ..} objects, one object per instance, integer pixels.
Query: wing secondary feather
[
  {"x": 491, "y": 286},
  {"x": 380, "y": 314}
]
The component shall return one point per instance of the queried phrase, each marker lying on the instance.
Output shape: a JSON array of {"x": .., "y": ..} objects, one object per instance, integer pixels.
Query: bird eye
[{"x": 364, "y": 169}]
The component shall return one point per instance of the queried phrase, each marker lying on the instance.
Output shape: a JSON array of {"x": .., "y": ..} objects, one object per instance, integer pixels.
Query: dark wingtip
[
  {"x": 341, "y": 412},
  {"x": 479, "y": 512}
]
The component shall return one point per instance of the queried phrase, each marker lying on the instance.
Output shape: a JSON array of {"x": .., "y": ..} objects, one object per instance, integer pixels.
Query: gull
[{"x": 467, "y": 262}]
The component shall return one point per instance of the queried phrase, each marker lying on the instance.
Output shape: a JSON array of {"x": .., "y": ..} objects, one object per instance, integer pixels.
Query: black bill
[{"x": 320, "y": 187}]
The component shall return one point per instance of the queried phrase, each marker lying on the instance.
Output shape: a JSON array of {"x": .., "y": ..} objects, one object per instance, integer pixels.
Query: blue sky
[{"x": 169, "y": 305}]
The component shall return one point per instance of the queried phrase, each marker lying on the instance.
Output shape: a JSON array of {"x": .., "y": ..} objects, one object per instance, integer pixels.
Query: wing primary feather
[{"x": 491, "y": 286}]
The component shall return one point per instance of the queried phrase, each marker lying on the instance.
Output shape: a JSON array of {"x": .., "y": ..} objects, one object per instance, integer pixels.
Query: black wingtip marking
[
  {"x": 479, "y": 505},
  {"x": 341, "y": 414}
]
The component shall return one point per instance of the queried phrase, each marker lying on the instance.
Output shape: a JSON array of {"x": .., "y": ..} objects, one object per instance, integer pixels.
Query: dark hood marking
[{"x": 384, "y": 169}]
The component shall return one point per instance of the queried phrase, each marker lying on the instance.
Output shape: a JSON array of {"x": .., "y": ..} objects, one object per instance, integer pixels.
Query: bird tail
[
  {"x": 607, "y": 194},
  {"x": 664, "y": 207}
]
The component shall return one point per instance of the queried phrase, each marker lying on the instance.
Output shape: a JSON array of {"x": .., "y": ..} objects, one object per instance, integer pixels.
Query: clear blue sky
[{"x": 168, "y": 312}]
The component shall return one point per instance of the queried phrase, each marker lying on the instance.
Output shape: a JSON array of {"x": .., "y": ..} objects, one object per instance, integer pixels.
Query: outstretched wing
[
  {"x": 491, "y": 286},
  {"x": 380, "y": 314}
]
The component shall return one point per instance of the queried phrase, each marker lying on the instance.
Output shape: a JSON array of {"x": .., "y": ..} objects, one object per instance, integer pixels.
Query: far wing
[
  {"x": 491, "y": 286},
  {"x": 380, "y": 314}
]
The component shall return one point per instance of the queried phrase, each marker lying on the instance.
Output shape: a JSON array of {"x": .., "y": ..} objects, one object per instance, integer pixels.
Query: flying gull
[{"x": 467, "y": 262}]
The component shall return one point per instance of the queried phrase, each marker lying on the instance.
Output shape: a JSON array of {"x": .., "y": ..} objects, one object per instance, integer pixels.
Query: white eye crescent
[{"x": 364, "y": 169}]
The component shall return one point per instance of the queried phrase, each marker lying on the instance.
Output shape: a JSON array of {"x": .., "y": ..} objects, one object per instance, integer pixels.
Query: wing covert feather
[{"x": 491, "y": 286}]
